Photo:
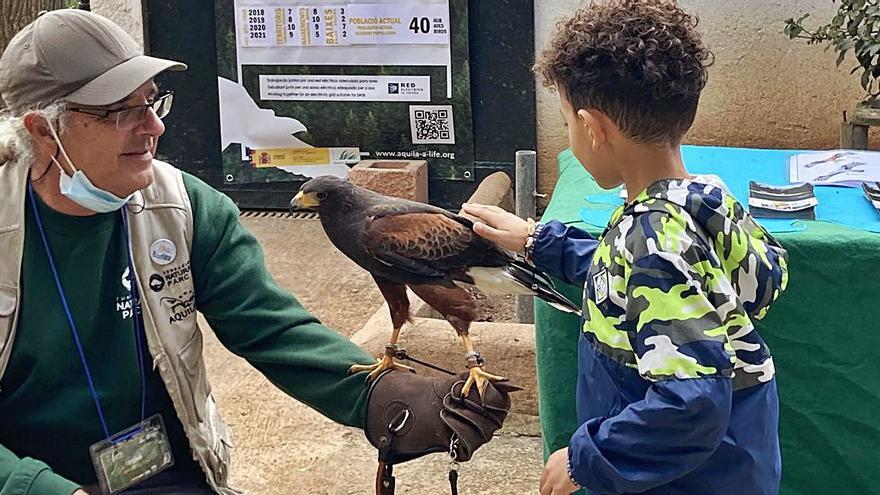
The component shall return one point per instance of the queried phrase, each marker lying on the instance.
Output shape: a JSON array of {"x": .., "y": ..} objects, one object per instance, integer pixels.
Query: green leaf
[{"x": 851, "y": 28}]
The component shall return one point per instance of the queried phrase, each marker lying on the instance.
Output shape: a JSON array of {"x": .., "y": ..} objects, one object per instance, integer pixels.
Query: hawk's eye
[{"x": 321, "y": 196}]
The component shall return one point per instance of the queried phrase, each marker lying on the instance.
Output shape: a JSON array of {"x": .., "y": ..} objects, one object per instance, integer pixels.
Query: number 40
[{"x": 420, "y": 25}]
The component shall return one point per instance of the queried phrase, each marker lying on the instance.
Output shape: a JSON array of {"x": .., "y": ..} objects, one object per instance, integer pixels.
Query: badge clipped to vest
[{"x": 132, "y": 456}]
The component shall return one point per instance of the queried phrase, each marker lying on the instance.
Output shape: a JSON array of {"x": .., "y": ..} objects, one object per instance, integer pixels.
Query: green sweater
[{"x": 48, "y": 418}]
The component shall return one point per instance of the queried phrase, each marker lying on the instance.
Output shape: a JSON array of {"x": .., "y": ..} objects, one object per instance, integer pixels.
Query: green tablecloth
[{"x": 821, "y": 334}]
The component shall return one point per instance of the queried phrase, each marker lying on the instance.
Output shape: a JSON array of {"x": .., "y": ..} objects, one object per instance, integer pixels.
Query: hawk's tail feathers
[
  {"x": 520, "y": 278},
  {"x": 542, "y": 286}
]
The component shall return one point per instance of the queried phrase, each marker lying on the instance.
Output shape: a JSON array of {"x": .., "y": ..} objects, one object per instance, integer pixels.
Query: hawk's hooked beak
[{"x": 304, "y": 200}]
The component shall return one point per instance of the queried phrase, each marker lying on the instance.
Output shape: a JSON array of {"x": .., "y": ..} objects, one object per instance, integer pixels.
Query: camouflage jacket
[{"x": 669, "y": 350}]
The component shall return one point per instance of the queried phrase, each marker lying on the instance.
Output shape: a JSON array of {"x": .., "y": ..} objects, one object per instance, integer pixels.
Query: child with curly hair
[{"x": 676, "y": 389}]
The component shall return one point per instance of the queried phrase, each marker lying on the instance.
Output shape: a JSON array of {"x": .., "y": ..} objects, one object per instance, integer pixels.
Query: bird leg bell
[
  {"x": 477, "y": 374},
  {"x": 385, "y": 362}
]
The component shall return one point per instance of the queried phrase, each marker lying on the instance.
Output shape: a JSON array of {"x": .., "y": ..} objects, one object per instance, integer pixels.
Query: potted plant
[{"x": 854, "y": 28}]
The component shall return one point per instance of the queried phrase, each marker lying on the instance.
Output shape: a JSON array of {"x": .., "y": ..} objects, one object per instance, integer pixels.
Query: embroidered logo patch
[{"x": 600, "y": 286}]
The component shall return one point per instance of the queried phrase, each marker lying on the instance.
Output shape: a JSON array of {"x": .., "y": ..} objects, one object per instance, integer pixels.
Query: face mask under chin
[{"x": 79, "y": 189}]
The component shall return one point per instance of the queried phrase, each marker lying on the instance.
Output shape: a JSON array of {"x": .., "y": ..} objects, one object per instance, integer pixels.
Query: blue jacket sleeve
[
  {"x": 564, "y": 252},
  {"x": 652, "y": 442}
]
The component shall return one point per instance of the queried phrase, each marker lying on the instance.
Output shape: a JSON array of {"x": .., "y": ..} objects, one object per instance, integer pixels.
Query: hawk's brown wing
[{"x": 433, "y": 244}]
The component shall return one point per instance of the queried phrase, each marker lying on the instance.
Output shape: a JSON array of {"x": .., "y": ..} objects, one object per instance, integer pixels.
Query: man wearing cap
[{"x": 105, "y": 256}]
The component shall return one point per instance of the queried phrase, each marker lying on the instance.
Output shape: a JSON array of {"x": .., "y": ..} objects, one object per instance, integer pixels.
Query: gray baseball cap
[{"x": 75, "y": 56}]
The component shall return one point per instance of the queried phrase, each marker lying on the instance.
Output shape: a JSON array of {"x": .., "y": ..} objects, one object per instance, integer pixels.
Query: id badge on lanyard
[{"x": 132, "y": 456}]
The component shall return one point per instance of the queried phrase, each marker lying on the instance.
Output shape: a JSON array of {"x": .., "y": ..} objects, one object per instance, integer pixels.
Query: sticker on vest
[
  {"x": 600, "y": 286},
  {"x": 132, "y": 456},
  {"x": 163, "y": 251}
]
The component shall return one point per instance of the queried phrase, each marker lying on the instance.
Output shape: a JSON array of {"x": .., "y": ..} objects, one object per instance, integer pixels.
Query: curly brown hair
[{"x": 641, "y": 62}]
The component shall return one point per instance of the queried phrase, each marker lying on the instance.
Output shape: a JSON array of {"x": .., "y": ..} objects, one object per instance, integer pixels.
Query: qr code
[{"x": 432, "y": 124}]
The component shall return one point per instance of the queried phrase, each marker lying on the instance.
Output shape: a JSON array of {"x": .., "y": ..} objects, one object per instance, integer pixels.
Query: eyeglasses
[{"x": 128, "y": 118}]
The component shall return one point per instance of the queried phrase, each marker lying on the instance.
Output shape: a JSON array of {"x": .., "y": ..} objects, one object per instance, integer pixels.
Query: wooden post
[
  {"x": 854, "y": 133},
  {"x": 853, "y": 136},
  {"x": 493, "y": 190},
  {"x": 526, "y": 181}
]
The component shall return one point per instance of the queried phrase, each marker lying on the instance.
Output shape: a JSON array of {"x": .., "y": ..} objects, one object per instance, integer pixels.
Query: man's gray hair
[{"x": 16, "y": 143}]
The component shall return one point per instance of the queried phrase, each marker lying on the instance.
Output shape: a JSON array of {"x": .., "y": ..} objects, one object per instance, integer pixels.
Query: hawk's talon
[
  {"x": 479, "y": 376},
  {"x": 385, "y": 363}
]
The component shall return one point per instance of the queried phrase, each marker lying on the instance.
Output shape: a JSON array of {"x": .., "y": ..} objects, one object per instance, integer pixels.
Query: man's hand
[
  {"x": 554, "y": 479},
  {"x": 505, "y": 229},
  {"x": 409, "y": 415}
]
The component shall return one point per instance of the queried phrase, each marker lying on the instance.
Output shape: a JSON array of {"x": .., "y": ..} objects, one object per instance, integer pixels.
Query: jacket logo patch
[
  {"x": 600, "y": 286},
  {"x": 181, "y": 307}
]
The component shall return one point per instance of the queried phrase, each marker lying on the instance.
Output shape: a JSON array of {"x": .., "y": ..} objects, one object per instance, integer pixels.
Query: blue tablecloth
[{"x": 736, "y": 167}]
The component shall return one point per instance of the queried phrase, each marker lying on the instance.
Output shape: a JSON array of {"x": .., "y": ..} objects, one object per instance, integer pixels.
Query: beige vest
[{"x": 167, "y": 299}]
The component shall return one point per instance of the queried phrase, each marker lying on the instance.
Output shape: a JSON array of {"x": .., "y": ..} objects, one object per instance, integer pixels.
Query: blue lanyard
[{"x": 136, "y": 316}]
